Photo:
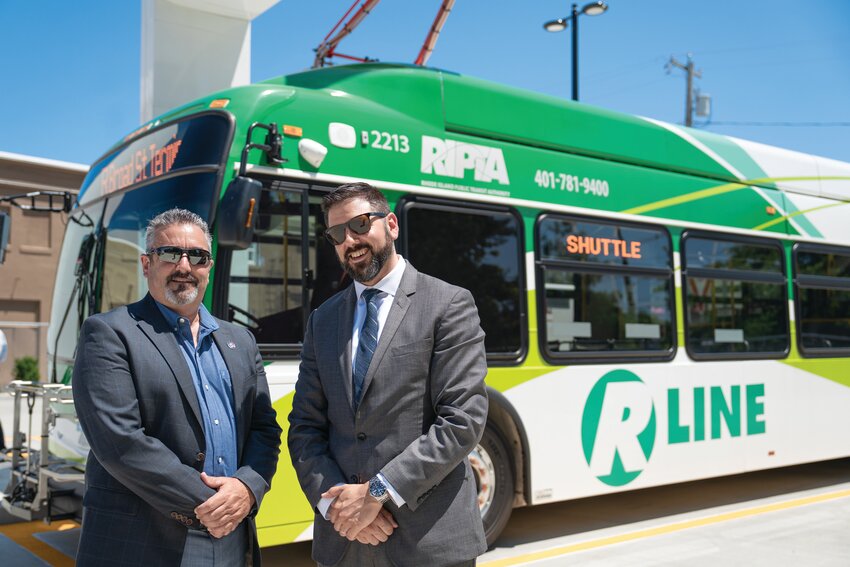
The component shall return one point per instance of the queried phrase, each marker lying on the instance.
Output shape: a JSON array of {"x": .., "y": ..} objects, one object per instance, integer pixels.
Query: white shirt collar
[{"x": 389, "y": 284}]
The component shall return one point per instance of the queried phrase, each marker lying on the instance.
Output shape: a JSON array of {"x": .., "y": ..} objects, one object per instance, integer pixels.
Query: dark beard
[{"x": 373, "y": 268}]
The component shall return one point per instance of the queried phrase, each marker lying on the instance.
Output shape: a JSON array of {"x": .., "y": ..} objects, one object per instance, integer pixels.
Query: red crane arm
[
  {"x": 327, "y": 47},
  {"x": 434, "y": 32}
]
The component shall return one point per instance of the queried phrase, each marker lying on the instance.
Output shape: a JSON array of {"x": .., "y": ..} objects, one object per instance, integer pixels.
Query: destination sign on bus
[
  {"x": 190, "y": 143},
  {"x": 581, "y": 240},
  {"x": 141, "y": 165},
  {"x": 604, "y": 246}
]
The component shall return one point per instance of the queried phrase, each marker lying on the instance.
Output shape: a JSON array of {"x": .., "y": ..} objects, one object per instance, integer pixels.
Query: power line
[
  {"x": 629, "y": 68},
  {"x": 763, "y": 47},
  {"x": 792, "y": 124},
  {"x": 628, "y": 88}
]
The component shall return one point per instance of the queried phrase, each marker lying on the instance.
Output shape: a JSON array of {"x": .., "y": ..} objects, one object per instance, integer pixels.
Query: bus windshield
[
  {"x": 176, "y": 165},
  {"x": 125, "y": 220}
]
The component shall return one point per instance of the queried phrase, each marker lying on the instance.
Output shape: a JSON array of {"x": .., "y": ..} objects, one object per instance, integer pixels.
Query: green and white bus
[{"x": 661, "y": 304}]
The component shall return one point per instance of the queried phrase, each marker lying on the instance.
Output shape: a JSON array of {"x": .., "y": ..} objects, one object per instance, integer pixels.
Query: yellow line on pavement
[
  {"x": 23, "y": 534},
  {"x": 665, "y": 529}
]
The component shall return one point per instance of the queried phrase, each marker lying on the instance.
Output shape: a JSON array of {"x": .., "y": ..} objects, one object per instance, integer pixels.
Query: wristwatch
[{"x": 378, "y": 490}]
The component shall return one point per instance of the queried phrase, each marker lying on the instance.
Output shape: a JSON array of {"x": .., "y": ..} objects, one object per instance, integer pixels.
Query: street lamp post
[{"x": 591, "y": 9}]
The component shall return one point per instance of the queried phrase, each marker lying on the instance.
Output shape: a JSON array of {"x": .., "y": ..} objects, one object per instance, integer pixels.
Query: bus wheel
[{"x": 494, "y": 478}]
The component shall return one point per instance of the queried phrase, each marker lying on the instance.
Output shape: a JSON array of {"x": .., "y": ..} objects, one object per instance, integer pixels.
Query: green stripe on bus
[
  {"x": 695, "y": 196},
  {"x": 833, "y": 369}
]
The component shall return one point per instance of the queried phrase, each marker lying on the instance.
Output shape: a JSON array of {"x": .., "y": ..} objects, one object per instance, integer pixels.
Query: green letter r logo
[{"x": 618, "y": 428}]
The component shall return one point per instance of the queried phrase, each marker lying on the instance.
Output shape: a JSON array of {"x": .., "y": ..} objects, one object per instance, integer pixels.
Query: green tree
[{"x": 26, "y": 368}]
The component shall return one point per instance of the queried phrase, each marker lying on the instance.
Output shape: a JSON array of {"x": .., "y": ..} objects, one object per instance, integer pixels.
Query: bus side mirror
[
  {"x": 5, "y": 224},
  {"x": 238, "y": 211}
]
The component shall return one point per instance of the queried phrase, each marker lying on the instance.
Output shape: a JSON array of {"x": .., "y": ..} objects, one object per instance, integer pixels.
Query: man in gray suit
[
  {"x": 389, "y": 402},
  {"x": 175, "y": 404}
]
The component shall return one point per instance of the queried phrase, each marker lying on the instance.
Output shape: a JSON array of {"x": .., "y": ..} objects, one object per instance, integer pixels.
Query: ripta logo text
[{"x": 453, "y": 159}]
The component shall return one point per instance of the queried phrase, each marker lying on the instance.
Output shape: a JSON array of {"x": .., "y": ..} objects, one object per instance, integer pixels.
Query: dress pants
[
  {"x": 364, "y": 555},
  {"x": 203, "y": 550}
]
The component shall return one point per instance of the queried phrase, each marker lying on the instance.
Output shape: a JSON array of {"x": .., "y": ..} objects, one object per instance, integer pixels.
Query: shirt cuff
[
  {"x": 324, "y": 505},
  {"x": 399, "y": 501}
]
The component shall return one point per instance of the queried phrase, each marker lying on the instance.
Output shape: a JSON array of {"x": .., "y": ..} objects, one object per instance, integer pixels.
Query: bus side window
[
  {"x": 268, "y": 292},
  {"x": 479, "y": 248},
  {"x": 604, "y": 290},
  {"x": 265, "y": 279},
  {"x": 735, "y": 294},
  {"x": 328, "y": 276},
  {"x": 822, "y": 275}
]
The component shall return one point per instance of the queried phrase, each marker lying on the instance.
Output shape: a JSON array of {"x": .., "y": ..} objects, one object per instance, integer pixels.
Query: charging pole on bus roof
[{"x": 689, "y": 92}]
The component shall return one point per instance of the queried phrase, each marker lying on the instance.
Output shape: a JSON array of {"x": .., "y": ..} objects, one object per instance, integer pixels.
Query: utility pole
[{"x": 689, "y": 93}]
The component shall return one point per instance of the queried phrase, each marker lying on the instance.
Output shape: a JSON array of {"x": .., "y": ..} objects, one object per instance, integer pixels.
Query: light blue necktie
[{"x": 368, "y": 341}]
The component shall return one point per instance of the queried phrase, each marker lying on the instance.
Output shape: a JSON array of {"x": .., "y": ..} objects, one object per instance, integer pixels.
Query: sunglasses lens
[
  {"x": 336, "y": 234},
  {"x": 360, "y": 224},
  {"x": 173, "y": 254},
  {"x": 198, "y": 257},
  {"x": 170, "y": 254}
]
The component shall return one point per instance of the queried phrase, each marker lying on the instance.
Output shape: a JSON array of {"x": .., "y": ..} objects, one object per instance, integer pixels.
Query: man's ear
[{"x": 392, "y": 224}]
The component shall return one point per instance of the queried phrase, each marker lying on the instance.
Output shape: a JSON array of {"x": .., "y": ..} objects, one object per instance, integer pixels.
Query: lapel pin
[{"x": 231, "y": 344}]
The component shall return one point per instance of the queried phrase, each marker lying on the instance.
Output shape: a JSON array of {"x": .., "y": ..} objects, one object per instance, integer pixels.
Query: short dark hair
[
  {"x": 175, "y": 216},
  {"x": 357, "y": 190}
]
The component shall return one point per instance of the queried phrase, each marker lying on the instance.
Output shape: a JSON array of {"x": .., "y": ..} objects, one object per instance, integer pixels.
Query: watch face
[{"x": 377, "y": 488}]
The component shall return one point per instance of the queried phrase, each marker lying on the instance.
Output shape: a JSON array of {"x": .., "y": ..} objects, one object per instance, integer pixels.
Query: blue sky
[{"x": 69, "y": 71}]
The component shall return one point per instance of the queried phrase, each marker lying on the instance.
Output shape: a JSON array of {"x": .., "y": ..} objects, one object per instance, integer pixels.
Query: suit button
[
  {"x": 361, "y": 436},
  {"x": 200, "y": 457},
  {"x": 353, "y": 479}
]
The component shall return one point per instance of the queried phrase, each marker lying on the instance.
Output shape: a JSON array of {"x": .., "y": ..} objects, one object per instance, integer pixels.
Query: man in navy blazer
[{"x": 176, "y": 408}]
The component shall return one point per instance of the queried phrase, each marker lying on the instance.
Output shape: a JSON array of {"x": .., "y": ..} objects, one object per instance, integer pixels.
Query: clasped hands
[
  {"x": 358, "y": 516},
  {"x": 225, "y": 509}
]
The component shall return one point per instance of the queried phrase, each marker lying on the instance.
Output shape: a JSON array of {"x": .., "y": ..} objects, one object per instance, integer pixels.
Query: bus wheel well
[{"x": 505, "y": 418}]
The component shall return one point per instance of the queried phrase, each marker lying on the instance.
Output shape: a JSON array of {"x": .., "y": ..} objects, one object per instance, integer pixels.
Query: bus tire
[{"x": 494, "y": 479}]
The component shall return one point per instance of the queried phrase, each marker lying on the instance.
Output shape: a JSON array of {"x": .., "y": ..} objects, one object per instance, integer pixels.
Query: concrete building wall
[{"x": 27, "y": 276}]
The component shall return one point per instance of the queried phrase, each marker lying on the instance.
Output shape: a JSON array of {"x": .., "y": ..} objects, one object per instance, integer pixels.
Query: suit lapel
[
  {"x": 346, "y": 325},
  {"x": 406, "y": 288},
  {"x": 151, "y": 322}
]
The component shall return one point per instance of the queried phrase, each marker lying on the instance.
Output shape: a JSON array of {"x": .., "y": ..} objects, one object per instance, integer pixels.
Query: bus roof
[{"x": 485, "y": 109}]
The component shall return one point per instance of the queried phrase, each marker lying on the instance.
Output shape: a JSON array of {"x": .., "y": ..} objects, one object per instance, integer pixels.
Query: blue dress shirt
[{"x": 213, "y": 388}]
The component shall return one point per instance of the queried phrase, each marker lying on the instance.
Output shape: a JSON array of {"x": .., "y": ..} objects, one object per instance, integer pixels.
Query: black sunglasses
[
  {"x": 173, "y": 255},
  {"x": 357, "y": 225}
]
